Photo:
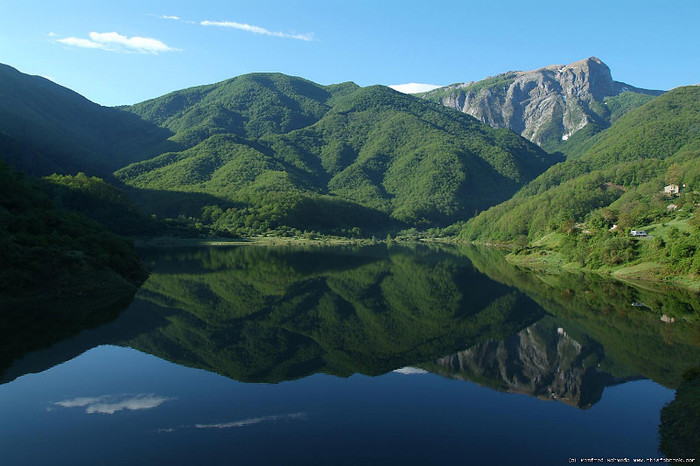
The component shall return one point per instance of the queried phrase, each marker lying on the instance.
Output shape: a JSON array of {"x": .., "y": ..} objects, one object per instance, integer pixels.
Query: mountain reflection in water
[{"x": 274, "y": 314}]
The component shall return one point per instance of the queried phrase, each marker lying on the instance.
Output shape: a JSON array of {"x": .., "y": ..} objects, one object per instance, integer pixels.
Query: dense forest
[{"x": 49, "y": 253}]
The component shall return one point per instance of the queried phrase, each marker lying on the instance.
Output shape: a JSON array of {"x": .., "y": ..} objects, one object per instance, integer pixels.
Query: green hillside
[
  {"x": 618, "y": 181},
  {"x": 249, "y": 106},
  {"x": 99, "y": 201},
  {"x": 279, "y": 150},
  {"x": 47, "y": 253},
  {"x": 46, "y": 128}
]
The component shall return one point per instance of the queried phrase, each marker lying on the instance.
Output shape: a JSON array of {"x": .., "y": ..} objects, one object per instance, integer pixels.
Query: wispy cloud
[
  {"x": 115, "y": 42},
  {"x": 254, "y": 420},
  {"x": 174, "y": 18},
  {"x": 258, "y": 30},
  {"x": 241, "y": 423},
  {"x": 110, "y": 404},
  {"x": 413, "y": 88}
]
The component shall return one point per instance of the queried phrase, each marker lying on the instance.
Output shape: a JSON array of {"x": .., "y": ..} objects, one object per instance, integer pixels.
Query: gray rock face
[
  {"x": 547, "y": 105},
  {"x": 538, "y": 361}
]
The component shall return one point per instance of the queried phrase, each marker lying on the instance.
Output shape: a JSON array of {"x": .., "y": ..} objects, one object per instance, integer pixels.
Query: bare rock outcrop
[{"x": 547, "y": 105}]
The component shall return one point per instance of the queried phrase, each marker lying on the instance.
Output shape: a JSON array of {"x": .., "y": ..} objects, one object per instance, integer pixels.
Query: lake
[{"x": 344, "y": 355}]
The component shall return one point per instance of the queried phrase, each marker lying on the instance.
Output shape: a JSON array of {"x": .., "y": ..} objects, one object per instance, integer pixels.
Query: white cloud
[
  {"x": 413, "y": 88},
  {"x": 257, "y": 30},
  {"x": 174, "y": 18},
  {"x": 410, "y": 371},
  {"x": 115, "y": 42},
  {"x": 78, "y": 402},
  {"x": 78, "y": 42},
  {"x": 109, "y": 404},
  {"x": 254, "y": 420}
]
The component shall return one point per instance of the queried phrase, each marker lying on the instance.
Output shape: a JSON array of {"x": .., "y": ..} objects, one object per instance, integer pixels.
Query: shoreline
[
  {"x": 173, "y": 241},
  {"x": 641, "y": 274}
]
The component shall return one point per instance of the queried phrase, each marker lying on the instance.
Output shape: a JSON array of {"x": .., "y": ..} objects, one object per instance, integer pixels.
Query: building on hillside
[
  {"x": 672, "y": 189},
  {"x": 638, "y": 233}
]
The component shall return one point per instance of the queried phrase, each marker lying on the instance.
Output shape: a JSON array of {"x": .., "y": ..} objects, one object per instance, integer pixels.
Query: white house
[
  {"x": 672, "y": 189},
  {"x": 638, "y": 233}
]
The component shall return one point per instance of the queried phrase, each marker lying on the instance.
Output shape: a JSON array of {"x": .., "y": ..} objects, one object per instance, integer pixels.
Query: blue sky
[{"x": 125, "y": 51}]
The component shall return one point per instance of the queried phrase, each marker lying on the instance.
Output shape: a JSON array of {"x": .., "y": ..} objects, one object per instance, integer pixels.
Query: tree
[{"x": 674, "y": 175}]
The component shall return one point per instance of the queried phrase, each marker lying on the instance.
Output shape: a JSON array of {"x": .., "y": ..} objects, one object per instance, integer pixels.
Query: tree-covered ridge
[
  {"x": 46, "y": 128},
  {"x": 620, "y": 180},
  {"x": 99, "y": 201},
  {"x": 370, "y": 151},
  {"x": 46, "y": 253},
  {"x": 249, "y": 106}
]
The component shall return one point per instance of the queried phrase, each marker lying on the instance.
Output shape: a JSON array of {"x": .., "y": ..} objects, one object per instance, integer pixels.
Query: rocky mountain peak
[{"x": 547, "y": 105}]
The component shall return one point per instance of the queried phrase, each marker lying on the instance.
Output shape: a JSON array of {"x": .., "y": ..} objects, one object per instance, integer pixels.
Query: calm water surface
[{"x": 346, "y": 356}]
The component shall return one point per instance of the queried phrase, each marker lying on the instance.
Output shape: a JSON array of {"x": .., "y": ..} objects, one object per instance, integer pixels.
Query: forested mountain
[
  {"x": 248, "y": 106},
  {"x": 274, "y": 150},
  {"x": 550, "y": 105},
  {"x": 619, "y": 181},
  {"x": 46, "y": 128}
]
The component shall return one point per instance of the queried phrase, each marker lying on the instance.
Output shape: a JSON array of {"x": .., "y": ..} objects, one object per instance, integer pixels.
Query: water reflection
[
  {"x": 596, "y": 310},
  {"x": 542, "y": 360},
  {"x": 27, "y": 329},
  {"x": 265, "y": 315},
  {"x": 269, "y": 315},
  {"x": 254, "y": 420},
  {"x": 110, "y": 404}
]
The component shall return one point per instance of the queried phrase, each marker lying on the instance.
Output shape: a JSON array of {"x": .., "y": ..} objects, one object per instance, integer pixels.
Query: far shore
[
  {"x": 553, "y": 263},
  {"x": 173, "y": 241}
]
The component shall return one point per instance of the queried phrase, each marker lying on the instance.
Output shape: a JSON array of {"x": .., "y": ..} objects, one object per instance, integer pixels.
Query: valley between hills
[{"x": 557, "y": 165}]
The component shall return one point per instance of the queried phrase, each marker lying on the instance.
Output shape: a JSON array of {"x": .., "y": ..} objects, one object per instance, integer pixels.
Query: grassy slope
[{"x": 618, "y": 180}]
